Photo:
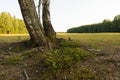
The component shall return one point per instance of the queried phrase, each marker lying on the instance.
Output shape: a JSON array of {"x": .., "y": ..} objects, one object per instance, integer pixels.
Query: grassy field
[
  {"x": 112, "y": 38},
  {"x": 86, "y": 57},
  {"x": 8, "y": 38},
  {"x": 93, "y": 38}
]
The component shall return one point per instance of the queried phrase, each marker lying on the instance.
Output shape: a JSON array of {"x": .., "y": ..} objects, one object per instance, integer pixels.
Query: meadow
[
  {"x": 92, "y": 37},
  {"x": 89, "y": 38},
  {"x": 85, "y": 57}
]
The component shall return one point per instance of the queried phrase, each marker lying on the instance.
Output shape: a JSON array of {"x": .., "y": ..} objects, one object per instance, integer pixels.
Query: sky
[{"x": 71, "y": 13}]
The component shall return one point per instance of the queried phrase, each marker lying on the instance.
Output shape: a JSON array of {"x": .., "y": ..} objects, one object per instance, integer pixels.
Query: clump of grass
[
  {"x": 82, "y": 73},
  {"x": 69, "y": 44},
  {"x": 14, "y": 60},
  {"x": 60, "y": 64},
  {"x": 2, "y": 76},
  {"x": 65, "y": 57},
  {"x": 64, "y": 64}
]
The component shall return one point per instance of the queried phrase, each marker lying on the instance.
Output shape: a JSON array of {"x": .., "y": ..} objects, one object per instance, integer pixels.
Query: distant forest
[
  {"x": 11, "y": 25},
  {"x": 105, "y": 26}
]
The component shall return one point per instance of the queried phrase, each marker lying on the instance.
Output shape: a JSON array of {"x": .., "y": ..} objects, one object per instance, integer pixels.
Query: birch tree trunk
[
  {"x": 48, "y": 28},
  {"x": 39, "y": 5},
  {"x": 32, "y": 23}
]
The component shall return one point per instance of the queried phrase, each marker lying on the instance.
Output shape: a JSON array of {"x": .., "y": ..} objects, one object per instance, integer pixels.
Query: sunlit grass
[
  {"x": 7, "y": 38},
  {"x": 88, "y": 38},
  {"x": 109, "y": 38}
]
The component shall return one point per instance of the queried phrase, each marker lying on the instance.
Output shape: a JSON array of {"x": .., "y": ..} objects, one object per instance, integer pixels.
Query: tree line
[
  {"x": 11, "y": 24},
  {"x": 105, "y": 26}
]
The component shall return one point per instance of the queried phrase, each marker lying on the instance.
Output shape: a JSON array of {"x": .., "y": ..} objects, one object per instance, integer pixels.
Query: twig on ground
[{"x": 25, "y": 74}]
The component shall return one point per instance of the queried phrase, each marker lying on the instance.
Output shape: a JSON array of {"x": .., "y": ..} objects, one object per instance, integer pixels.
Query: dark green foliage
[
  {"x": 12, "y": 25},
  {"x": 105, "y": 26}
]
